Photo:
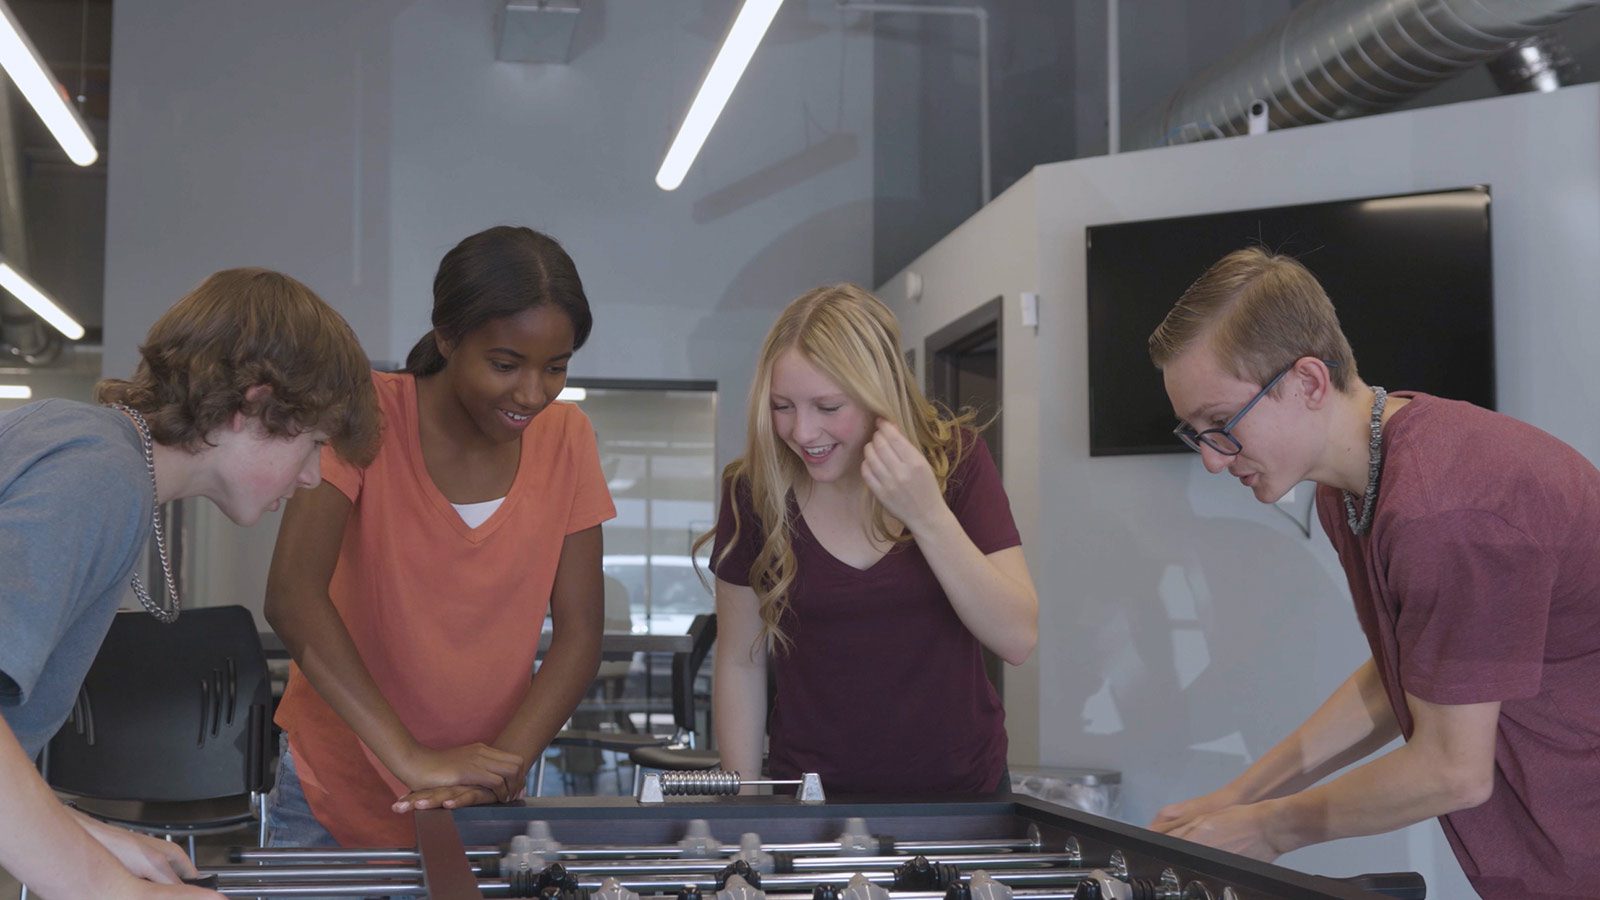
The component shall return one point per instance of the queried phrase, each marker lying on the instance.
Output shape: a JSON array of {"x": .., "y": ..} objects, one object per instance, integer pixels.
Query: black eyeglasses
[{"x": 1222, "y": 439}]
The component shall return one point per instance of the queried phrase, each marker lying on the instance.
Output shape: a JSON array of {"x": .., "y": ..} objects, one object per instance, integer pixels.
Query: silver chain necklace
[
  {"x": 165, "y": 615},
  {"x": 1374, "y": 467}
]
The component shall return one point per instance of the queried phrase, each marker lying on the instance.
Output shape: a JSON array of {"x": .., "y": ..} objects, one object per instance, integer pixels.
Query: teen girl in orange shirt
[{"x": 411, "y": 593}]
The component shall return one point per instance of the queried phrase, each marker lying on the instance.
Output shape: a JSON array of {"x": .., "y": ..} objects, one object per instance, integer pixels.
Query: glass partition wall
[{"x": 658, "y": 452}]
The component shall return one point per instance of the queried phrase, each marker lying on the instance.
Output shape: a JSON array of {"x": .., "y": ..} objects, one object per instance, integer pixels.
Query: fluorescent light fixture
[
  {"x": 15, "y": 392},
  {"x": 23, "y": 63},
  {"x": 573, "y": 394},
  {"x": 749, "y": 26},
  {"x": 35, "y": 299}
]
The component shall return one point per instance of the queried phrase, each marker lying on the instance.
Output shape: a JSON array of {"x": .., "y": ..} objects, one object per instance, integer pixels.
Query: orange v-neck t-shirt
[{"x": 446, "y": 617}]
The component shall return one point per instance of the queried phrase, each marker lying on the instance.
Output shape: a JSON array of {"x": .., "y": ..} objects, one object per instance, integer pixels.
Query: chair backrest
[
  {"x": 686, "y": 667},
  {"x": 170, "y": 712}
]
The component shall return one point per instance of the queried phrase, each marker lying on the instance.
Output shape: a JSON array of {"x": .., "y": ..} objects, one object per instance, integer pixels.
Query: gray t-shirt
[{"x": 75, "y": 504}]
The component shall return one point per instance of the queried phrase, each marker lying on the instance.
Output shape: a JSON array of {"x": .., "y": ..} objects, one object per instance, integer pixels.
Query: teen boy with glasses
[{"x": 1471, "y": 543}]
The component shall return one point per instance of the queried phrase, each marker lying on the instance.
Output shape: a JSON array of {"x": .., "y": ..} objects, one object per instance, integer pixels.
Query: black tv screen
[{"x": 1408, "y": 274}]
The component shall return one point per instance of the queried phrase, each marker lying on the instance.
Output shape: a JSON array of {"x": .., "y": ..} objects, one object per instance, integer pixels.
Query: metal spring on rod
[{"x": 709, "y": 782}]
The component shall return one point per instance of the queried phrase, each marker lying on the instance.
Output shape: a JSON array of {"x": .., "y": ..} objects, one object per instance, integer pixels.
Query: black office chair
[
  {"x": 680, "y": 754},
  {"x": 587, "y": 737},
  {"x": 656, "y": 751},
  {"x": 172, "y": 730}
]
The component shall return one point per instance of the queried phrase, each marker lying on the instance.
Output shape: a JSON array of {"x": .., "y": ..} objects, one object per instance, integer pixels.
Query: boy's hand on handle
[
  {"x": 147, "y": 890},
  {"x": 474, "y": 765},
  {"x": 899, "y": 476},
  {"x": 1236, "y": 829},
  {"x": 1174, "y": 816},
  {"x": 148, "y": 858}
]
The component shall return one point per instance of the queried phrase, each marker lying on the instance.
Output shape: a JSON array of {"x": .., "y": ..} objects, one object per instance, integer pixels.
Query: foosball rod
[
  {"x": 807, "y": 880},
  {"x": 258, "y": 874},
  {"x": 291, "y": 883},
  {"x": 908, "y": 848},
  {"x": 819, "y": 864},
  {"x": 504, "y": 889},
  {"x": 673, "y": 868},
  {"x": 931, "y": 895},
  {"x": 349, "y": 889}
]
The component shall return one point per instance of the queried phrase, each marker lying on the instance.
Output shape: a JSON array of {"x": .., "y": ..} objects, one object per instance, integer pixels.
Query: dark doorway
[
  {"x": 964, "y": 369},
  {"x": 963, "y": 361}
]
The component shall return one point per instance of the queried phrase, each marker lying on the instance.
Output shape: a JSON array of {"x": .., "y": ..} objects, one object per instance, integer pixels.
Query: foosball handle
[
  {"x": 209, "y": 882},
  {"x": 1402, "y": 885}
]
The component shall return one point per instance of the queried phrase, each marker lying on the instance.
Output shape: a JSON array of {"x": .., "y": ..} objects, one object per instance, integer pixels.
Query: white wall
[
  {"x": 1186, "y": 628},
  {"x": 996, "y": 253},
  {"x": 352, "y": 144}
]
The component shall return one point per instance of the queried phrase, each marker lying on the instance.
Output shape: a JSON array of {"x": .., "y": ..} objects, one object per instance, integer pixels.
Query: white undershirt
[{"x": 475, "y": 514}]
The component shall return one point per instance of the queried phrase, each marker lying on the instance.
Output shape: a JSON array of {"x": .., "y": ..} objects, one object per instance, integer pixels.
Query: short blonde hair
[
  {"x": 246, "y": 327},
  {"x": 1260, "y": 311},
  {"x": 853, "y": 338}
]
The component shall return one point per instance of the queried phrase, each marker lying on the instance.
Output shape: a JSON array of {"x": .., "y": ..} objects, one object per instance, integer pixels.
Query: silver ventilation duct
[
  {"x": 1338, "y": 59},
  {"x": 1537, "y": 64}
]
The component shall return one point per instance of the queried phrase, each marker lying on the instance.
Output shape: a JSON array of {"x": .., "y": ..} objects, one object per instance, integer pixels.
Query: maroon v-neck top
[{"x": 884, "y": 690}]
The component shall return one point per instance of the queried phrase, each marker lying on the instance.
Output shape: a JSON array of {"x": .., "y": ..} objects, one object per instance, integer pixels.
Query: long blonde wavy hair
[{"x": 852, "y": 337}]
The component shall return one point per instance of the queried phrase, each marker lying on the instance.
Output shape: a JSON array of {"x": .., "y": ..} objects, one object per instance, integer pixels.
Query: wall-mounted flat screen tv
[{"x": 1409, "y": 276}]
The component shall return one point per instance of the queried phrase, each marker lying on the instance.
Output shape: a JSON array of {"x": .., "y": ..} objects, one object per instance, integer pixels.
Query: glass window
[{"x": 658, "y": 453}]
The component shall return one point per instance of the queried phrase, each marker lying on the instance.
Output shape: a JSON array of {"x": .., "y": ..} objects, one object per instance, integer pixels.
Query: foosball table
[{"x": 784, "y": 848}]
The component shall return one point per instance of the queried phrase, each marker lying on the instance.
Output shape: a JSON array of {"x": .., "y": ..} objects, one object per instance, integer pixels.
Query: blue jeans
[{"x": 289, "y": 819}]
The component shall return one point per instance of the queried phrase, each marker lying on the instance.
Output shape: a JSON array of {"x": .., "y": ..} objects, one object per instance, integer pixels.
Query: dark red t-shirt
[
  {"x": 1480, "y": 581},
  {"x": 884, "y": 690}
]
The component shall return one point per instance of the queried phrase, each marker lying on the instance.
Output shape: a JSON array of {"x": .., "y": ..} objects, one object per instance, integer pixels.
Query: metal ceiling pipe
[
  {"x": 1338, "y": 59},
  {"x": 1537, "y": 64}
]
